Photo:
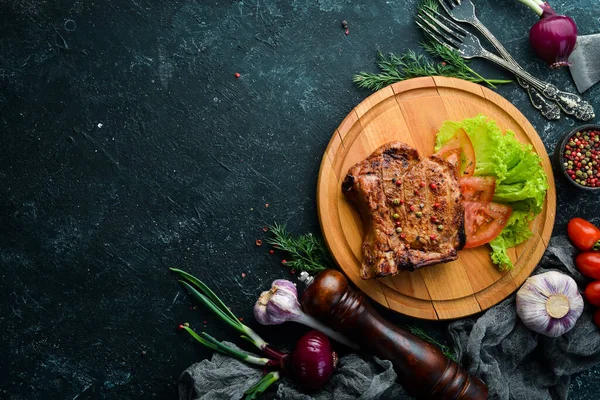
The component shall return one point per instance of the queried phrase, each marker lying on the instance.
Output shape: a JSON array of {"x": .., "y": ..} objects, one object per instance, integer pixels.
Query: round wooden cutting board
[{"x": 412, "y": 112}]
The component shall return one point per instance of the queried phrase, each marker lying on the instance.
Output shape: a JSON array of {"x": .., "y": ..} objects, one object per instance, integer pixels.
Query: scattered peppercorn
[
  {"x": 398, "y": 182},
  {"x": 418, "y": 214},
  {"x": 581, "y": 156},
  {"x": 345, "y": 24},
  {"x": 433, "y": 186},
  {"x": 271, "y": 252},
  {"x": 258, "y": 242},
  {"x": 436, "y": 206},
  {"x": 347, "y": 32},
  {"x": 440, "y": 227},
  {"x": 143, "y": 353},
  {"x": 398, "y": 223},
  {"x": 243, "y": 274},
  {"x": 265, "y": 228},
  {"x": 403, "y": 235},
  {"x": 412, "y": 207},
  {"x": 396, "y": 202},
  {"x": 237, "y": 75},
  {"x": 395, "y": 215},
  {"x": 398, "y": 230},
  {"x": 422, "y": 205},
  {"x": 432, "y": 237},
  {"x": 422, "y": 184},
  {"x": 284, "y": 261}
]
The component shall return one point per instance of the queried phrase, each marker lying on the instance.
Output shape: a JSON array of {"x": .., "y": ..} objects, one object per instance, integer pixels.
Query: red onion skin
[
  {"x": 553, "y": 37},
  {"x": 313, "y": 360}
]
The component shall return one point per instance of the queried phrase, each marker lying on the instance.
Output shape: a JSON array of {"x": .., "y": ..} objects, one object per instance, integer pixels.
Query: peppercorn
[
  {"x": 398, "y": 182},
  {"x": 440, "y": 227},
  {"x": 398, "y": 230},
  {"x": 580, "y": 157},
  {"x": 345, "y": 24},
  {"x": 422, "y": 205},
  {"x": 396, "y": 216},
  {"x": 418, "y": 214},
  {"x": 396, "y": 202}
]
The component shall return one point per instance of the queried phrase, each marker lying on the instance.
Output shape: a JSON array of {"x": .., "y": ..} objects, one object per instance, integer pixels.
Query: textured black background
[{"x": 128, "y": 146}]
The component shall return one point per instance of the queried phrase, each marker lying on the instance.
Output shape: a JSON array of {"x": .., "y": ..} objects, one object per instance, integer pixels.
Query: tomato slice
[
  {"x": 460, "y": 141},
  {"x": 484, "y": 221},
  {"x": 478, "y": 188}
]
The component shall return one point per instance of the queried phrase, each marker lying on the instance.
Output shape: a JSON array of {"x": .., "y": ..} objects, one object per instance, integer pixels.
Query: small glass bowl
[{"x": 560, "y": 150}]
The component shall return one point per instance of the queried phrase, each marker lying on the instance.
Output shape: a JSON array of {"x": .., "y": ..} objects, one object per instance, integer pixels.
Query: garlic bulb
[{"x": 549, "y": 303}]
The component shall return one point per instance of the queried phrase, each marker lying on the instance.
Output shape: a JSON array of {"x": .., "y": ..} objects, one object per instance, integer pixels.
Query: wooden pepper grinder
[{"x": 422, "y": 368}]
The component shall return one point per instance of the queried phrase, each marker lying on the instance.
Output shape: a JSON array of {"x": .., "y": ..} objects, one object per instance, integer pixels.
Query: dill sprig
[
  {"x": 428, "y": 4},
  {"x": 306, "y": 252},
  {"x": 447, "y": 350},
  {"x": 396, "y": 68}
]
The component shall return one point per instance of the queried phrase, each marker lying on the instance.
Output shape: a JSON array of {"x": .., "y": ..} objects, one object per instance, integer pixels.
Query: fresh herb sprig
[
  {"x": 447, "y": 350},
  {"x": 396, "y": 68},
  {"x": 306, "y": 252}
]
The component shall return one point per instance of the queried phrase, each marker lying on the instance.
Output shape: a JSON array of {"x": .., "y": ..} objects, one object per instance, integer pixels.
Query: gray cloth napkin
[{"x": 515, "y": 363}]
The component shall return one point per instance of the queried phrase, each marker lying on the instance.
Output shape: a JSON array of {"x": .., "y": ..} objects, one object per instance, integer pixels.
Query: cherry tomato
[
  {"x": 597, "y": 318},
  {"x": 589, "y": 264},
  {"x": 478, "y": 188},
  {"x": 484, "y": 221},
  {"x": 584, "y": 235},
  {"x": 592, "y": 293},
  {"x": 461, "y": 142}
]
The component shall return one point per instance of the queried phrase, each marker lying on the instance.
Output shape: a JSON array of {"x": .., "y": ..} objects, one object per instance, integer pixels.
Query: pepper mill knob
[{"x": 422, "y": 368}]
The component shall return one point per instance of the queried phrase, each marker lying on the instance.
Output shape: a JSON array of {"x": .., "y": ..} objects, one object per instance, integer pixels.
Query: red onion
[
  {"x": 553, "y": 37},
  {"x": 313, "y": 360}
]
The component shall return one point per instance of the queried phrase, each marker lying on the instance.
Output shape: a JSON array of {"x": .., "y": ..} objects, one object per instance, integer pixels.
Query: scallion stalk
[{"x": 203, "y": 294}]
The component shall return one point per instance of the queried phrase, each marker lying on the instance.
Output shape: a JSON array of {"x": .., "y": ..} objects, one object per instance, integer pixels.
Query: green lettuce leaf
[
  {"x": 521, "y": 180},
  {"x": 515, "y": 232}
]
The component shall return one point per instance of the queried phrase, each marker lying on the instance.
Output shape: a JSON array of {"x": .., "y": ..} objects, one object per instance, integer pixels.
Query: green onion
[
  {"x": 215, "y": 345},
  {"x": 261, "y": 385}
]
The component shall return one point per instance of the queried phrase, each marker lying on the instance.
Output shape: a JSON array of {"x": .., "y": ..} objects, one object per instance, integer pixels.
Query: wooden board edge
[{"x": 399, "y": 302}]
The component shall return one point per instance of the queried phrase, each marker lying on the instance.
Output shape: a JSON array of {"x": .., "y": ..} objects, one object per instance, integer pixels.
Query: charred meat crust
[{"x": 411, "y": 208}]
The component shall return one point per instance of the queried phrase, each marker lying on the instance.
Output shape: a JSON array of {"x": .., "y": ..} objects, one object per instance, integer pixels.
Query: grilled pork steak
[{"x": 411, "y": 207}]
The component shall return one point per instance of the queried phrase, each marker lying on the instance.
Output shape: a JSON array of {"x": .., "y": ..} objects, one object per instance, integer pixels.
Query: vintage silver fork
[
  {"x": 464, "y": 11},
  {"x": 452, "y": 36}
]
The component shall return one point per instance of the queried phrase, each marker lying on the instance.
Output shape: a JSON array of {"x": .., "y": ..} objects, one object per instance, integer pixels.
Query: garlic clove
[{"x": 549, "y": 303}]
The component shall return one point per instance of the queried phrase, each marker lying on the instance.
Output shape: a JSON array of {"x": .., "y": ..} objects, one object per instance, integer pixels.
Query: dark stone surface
[{"x": 128, "y": 146}]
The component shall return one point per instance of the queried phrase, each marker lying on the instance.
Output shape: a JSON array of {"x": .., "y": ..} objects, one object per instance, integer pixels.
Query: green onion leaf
[
  {"x": 236, "y": 324},
  {"x": 208, "y": 293}
]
